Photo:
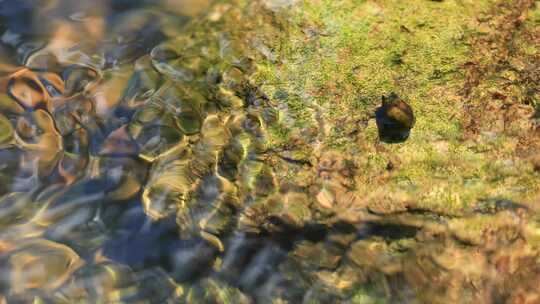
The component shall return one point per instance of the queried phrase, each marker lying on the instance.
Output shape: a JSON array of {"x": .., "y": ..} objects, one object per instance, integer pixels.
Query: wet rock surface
[{"x": 148, "y": 157}]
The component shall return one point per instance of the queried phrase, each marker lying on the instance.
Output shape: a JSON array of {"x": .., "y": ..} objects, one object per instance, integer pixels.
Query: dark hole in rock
[
  {"x": 395, "y": 119},
  {"x": 388, "y": 231}
]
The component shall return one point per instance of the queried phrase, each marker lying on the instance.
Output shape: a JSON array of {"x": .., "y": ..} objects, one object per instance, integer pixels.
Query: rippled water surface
[
  {"x": 131, "y": 142},
  {"x": 136, "y": 167}
]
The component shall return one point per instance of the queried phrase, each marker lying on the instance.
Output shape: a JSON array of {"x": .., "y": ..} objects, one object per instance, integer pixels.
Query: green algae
[
  {"x": 333, "y": 64},
  {"x": 338, "y": 58}
]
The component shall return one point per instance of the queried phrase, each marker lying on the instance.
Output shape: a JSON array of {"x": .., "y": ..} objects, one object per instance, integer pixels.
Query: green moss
[
  {"x": 367, "y": 295},
  {"x": 340, "y": 56}
]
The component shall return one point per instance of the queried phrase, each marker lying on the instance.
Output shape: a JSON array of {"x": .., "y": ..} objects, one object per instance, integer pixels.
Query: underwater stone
[
  {"x": 25, "y": 87},
  {"x": 41, "y": 264},
  {"x": 163, "y": 53},
  {"x": 10, "y": 106},
  {"x": 77, "y": 78},
  {"x": 6, "y": 130}
]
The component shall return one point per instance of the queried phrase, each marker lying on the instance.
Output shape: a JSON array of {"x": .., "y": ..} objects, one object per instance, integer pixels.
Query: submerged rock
[
  {"x": 6, "y": 130},
  {"x": 113, "y": 282},
  {"x": 213, "y": 291},
  {"x": 41, "y": 264}
]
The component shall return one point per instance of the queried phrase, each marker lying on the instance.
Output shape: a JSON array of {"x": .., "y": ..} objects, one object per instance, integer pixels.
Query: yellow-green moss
[{"x": 339, "y": 57}]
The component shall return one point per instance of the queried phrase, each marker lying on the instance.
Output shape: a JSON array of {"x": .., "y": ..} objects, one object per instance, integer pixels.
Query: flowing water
[
  {"x": 130, "y": 146},
  {"x": 136, "y": 167}
]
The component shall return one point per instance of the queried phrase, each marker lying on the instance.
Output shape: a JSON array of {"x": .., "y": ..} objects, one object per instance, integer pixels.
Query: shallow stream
[{"x": 137, "y": 166}]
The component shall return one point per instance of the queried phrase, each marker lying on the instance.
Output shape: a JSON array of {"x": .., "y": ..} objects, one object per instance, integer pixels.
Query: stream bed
[{"x": 146, "y": 158}]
